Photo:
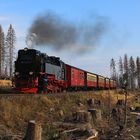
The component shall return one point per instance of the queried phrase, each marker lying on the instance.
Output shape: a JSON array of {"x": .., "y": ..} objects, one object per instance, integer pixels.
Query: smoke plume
[{"x": 51, "y": 30}]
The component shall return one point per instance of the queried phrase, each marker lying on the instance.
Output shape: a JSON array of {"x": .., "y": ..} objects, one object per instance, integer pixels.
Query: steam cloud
[{"x": 51, "y": 30}]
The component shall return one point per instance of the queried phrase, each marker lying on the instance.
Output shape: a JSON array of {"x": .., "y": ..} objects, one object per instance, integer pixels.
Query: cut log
[{"x": 34, "y": 131}]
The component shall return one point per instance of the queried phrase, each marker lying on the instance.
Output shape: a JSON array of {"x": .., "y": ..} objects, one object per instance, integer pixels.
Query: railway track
[{"x": 9, "y": 93}]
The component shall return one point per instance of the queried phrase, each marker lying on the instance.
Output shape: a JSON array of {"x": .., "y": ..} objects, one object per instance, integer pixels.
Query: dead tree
[
  {"x": 126, "y": 71},
  {"x": 132, "y": 73},
  {"x": 125, "y": 106},
  {"x": 113, "y": 69},
  {"x": 1, "y": 52},
  {"x": 138, "y": 71},
  {"x": 120, "y": 72},
  {"x": 10, "y": 45},
  {"x": 109, "y": 105}
]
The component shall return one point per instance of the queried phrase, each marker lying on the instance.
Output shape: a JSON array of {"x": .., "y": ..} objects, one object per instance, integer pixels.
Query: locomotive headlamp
[
  {"x": 16, "y": 73},
  {"x": 31, "y": 73}
]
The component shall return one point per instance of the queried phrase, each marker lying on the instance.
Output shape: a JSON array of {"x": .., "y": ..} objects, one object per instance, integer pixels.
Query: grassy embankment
[{"x": 15, "y": 111}]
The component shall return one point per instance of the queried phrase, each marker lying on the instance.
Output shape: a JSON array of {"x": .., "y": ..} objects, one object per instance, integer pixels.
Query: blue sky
[{"x": 122, "y": 36}]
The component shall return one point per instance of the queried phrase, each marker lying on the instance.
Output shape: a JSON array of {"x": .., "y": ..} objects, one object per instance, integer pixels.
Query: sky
[{"x": 121, "y": 36}]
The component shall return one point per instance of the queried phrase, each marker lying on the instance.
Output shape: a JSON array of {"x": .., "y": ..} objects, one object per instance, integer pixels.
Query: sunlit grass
[{"x": 5, "y": 83}]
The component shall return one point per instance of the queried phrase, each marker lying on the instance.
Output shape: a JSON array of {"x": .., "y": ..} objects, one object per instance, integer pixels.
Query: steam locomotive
[{"x": 36, "y": 72}]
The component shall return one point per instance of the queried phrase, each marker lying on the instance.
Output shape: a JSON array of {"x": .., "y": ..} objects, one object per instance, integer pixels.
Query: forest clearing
[{"x": 55, "y": 113}]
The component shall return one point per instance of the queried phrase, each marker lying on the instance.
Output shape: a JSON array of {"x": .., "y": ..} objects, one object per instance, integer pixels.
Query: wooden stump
[
  {"x": 117, "y": 114},
  {"x": 96, "y": 114},
  {"x": 34, "y": 131},
  {"x": 120, "y": 103},
  {"x": 90, "y": 102},
  {"x": 137, "y": 109},
  {"x": 82, "y": 116},
  {"x": 97, "y": 102}
]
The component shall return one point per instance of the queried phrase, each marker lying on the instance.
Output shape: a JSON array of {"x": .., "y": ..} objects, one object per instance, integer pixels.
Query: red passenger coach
[
  {"x": 75, "y": 77},
  {"x": 114, "y": 84},
  {"x": 101, "y": 82},
  {"x": 111, "y": 84},
  {"x": 91, "y": 80},
  {"x": 107, "y": 83}
]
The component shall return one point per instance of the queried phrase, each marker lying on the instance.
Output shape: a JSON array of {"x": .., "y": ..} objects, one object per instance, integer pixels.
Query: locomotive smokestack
[{"x": 51, "y": 30}]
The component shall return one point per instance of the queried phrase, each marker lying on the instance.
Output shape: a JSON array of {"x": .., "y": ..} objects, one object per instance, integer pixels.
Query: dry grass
[
  {"x": 15, "y": 112},
  {"x": 5, "y": 83}
]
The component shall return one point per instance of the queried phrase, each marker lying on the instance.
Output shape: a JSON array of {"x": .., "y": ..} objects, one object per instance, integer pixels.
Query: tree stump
[
  {"x": 34, "y": 131},
  {"x": 96, "y": 114},
  {"x": 117, "y": 114},
  {"x": 81, "y": 116},
  {"x": 90, "y": 102},
  {"x": 137, "y": 109},
  {"x": 120, "y": 103},
  {"x": 138, "y": 121}
]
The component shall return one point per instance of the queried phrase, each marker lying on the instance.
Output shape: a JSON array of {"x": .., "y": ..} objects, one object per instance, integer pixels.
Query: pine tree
[
  {"x": 120, "y": 72},
  {"x": 2, "y": 52},
  {"x": 113, "y": 69},
  {"x": 138, "y": 71},
  {"x": 132, "y": 73},
  {"x": 126, "y": 71},
  {"x": 10, "y": 44}
]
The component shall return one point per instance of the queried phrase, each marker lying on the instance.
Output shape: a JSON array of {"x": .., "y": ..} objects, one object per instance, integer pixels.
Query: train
[{"x": 36, "y": 72}]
